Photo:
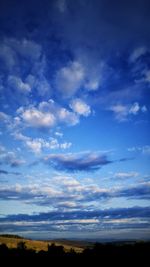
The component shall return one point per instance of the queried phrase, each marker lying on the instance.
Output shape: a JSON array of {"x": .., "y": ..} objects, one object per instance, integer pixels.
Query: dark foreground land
[{"x": 109, "y": 254}]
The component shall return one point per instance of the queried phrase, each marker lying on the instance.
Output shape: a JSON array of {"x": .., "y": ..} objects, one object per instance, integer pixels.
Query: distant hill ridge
[{"x": 11, "y": 236}]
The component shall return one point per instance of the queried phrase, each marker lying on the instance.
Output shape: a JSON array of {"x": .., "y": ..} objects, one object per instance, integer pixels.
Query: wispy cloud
[
  {"x": 145, "y": 150},
  {"x": 124, "y": 175},
  {"x": 70, "y": 78},
  {"x": 137, "y": 53},
  {"x": 123, "y": 112}
]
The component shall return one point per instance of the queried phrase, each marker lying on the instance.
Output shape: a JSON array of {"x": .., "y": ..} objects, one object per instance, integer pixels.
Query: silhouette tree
[
  {"x": 3, "y": 249},
  {"x": 21, "y": 245},
  {"x": 55, "y": 251}
]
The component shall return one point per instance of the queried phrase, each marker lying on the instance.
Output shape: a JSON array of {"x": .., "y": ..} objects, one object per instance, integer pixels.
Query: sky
[{"x": 74, "y": 118}]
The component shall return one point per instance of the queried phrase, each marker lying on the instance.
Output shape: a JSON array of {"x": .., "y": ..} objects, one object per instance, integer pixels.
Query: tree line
[{"x": 112, "y": 252}]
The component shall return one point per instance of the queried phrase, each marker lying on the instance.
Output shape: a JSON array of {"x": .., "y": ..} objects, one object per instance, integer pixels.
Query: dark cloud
[
  {"x": 82, "y": 221},
  {"x": 139, "y": 191},
  {"x": 77, "y": 162},
  {"x": 3, "y": 172},
  {"x": 116, "y": 213},
  {"x": 11, "y": 159},
  {"x": 7, "y": 172}
]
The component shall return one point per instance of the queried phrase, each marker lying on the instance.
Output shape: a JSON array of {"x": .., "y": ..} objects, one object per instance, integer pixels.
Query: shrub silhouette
[
  {"x": 55, "y": 251},
  {"x": 114, "y": 253},
  {"x": 21, "y": 245},
  {"x": 3, "y": 249}
]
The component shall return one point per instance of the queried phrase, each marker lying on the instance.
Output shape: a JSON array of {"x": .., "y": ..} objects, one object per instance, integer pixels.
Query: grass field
[{"x": 37, "y": 245}]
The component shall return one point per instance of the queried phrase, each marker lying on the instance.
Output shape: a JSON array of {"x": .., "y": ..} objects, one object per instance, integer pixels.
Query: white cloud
[
  {"x": 10, "y": 158},
  {"x": 4, "y": 117},
  {"x": 80, "y": 107},
  {"x": 11, "y": 49},
  {"x": 140, "y": 51},
  {"x": 135, "y": 108},
  {"x": 46, "y": 115},
  {"x": 17, "y": 56},
  {"x": 67, "y": 117},
  {"x": 25, "y": 48},
  {"x": 147, "y": 76},
  {"x": 65, "y": 145},
  {"x": 40, "y": 84},
  {"x": 146, "y": 150},
  {"x": 122, "y": 112},
  {"x": 144, "y": 109},
  {"x": 67, "y": 181},
  {"x": 92, "y": 84},
  {"x": 37, "y": 144},
  {"x": 70, "y": 78},
  {"x": 7, "y": 56},
  {"x": 143, "y": 149},
  {"x": 2, "y": 149},
  {"x": 17, "y": 84},
  {"x": 36, "y": 118},
  {"x": 61, "y": 5},
  {"x": 126, "y": 174},
  {"x": 62, "y": 115},
  {"x": 34, "y": 145},
  {"x": 59, "y": 134}
]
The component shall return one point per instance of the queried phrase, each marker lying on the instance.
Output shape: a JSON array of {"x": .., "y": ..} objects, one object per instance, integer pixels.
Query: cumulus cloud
[
  {"x": 37, "y": 144},
  {"x": 80, "y": 107},
  {"x": 87, "y": 161},
  {"x": 36, "y": 118},
  {"x": 47, "y": 115},
  {"x": 67, "y": 117}
]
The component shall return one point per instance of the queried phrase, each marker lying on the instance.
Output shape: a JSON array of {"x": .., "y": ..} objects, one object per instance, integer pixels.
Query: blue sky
[{"x": 74, "y": 116}]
